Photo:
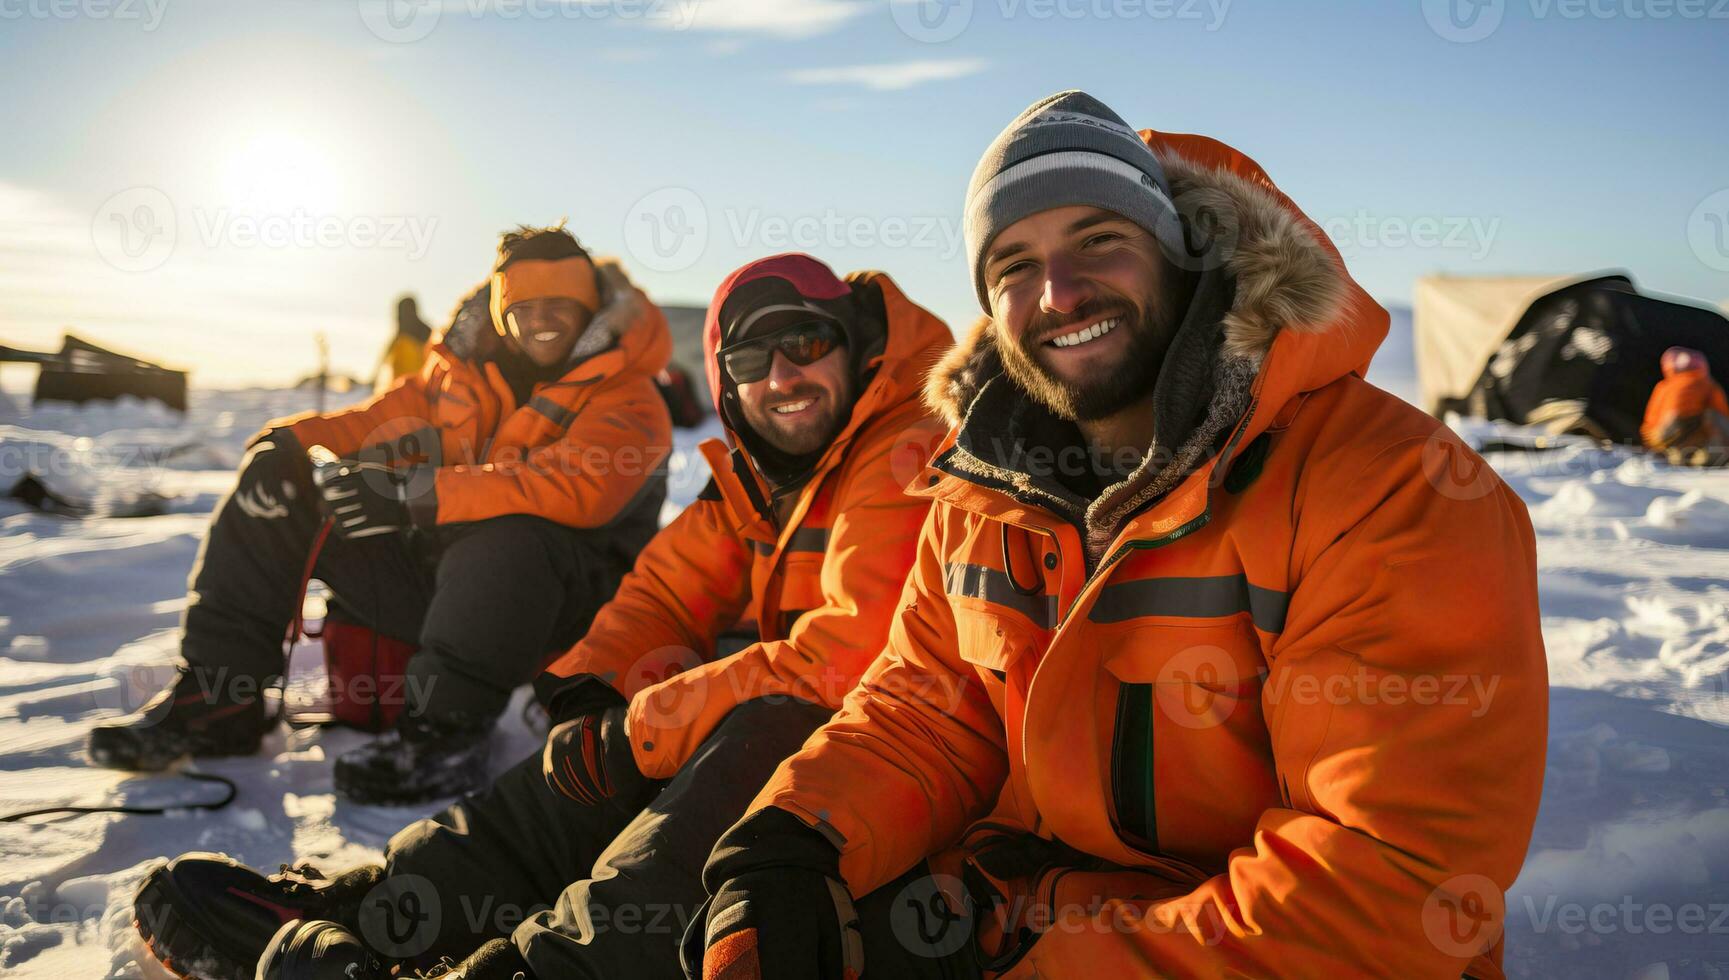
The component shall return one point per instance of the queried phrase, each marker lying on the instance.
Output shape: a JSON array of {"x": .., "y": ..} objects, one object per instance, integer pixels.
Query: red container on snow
[{"x": 367, "y": 673}]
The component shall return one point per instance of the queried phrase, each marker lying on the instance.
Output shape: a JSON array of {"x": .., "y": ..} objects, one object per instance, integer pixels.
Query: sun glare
[{"x": 279, "y": 172}]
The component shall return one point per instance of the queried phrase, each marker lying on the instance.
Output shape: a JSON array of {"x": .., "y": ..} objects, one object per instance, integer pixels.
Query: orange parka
[
  {"x": 1679, "y": 413},
  {"x": 1290, "y": 722},
  {"x": 582, "y": 451},
  {"x": 820, "y": 587}
]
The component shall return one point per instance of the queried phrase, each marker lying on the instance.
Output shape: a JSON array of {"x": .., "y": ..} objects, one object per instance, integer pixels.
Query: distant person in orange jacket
[
  {"x": 1215, "y": 660},
  {"x": 583, "y": 860},
  {"x": 484, "y": 509},
  {"x": 1687, "y": 418},
  {"x": 406, "y": 352}
]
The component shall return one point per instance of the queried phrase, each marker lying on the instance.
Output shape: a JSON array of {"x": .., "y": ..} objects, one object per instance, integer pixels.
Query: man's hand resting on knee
[{"x": 587, "y": 756}]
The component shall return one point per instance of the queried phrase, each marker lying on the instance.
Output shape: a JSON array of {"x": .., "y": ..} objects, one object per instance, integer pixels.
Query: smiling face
[
  {"x": 1080, "y": 297},
  {"x": 799, "y": 410},
  {"x": 547, "y": 329}
]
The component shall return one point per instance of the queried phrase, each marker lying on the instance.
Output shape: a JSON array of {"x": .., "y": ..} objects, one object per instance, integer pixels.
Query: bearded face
[
  {"x": 1085, "y": 304},
  {"x": 1051, "y": 362}
]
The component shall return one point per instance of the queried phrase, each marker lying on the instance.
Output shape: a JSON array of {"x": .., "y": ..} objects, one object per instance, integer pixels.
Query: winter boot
[
  {"x": 420, "y": 760},
  {"x": 327, "y": 951},
  {"x": 205, "y": 712},
  {"x": 208, "y": 916}
]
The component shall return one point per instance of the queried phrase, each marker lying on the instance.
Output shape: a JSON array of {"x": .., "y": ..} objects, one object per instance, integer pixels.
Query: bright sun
[{"x": 279, "y": 172}]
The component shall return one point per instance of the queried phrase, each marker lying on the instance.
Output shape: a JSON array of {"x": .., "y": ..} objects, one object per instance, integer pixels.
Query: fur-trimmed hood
[
  {"x": 1288, "y": 277},
  {"x": 1274, "y": 315}
]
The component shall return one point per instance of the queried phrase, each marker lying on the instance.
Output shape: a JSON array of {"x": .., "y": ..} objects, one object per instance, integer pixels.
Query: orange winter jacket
[
  {"x": 581, "y": 452},
  {"x": 1290, "y": 722},
  {"x": 820, "y": 589},
  {"x": 1677, "y": 414}
]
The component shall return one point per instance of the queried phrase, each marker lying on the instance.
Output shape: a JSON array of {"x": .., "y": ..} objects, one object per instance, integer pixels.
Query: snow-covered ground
[{"x": 1628, "y": 875}]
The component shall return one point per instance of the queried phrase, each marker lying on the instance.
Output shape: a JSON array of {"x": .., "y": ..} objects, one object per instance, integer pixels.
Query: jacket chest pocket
[{"x": 1185, "y": 736}]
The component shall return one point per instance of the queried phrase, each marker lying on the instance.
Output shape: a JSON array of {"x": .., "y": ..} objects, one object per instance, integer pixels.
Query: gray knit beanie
[{"x": 1066, "y": 149}]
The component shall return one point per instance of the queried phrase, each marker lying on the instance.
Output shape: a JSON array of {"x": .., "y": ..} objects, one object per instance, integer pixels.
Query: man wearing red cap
[
  {"x": 587, "y": 856},
  {"x": 483, "y": 509}
]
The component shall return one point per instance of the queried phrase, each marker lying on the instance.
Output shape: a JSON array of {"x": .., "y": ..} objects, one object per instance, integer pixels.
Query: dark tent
[
  {"x": 1585, "y": 357},
  {"x": 83, "y": 372}
]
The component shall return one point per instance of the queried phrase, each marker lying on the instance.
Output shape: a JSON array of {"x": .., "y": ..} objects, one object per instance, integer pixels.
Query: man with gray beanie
[{"x": 1163, "y": 696}]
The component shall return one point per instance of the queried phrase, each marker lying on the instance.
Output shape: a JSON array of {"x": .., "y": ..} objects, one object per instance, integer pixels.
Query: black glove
[
  {"x": 778, "y": 908},
  {"x": 589, "y": 760},
  {"x": 363, "y": 498}
]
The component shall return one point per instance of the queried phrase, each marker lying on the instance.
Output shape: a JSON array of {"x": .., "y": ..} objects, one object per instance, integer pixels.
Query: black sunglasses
[{"x": 801, "y": 343}]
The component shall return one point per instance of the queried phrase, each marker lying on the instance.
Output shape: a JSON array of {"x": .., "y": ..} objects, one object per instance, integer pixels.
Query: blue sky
[{"x": 211, "y": 183}]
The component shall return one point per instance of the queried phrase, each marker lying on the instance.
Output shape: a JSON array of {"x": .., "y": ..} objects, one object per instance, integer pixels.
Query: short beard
[
  {"x": 1151, "y": 328},
  {"x": 810, "y": 440}
]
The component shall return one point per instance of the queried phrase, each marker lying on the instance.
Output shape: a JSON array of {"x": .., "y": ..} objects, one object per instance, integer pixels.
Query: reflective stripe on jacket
[
  {"x": 820, "y": 589},
  {"x": 581, "y": 451},
  {"x": 1294, "y": 718}
]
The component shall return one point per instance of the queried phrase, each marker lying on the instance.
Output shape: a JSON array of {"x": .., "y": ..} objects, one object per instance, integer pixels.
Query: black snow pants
[
  {"x": 486, "y": 601},
  {"x": 609, "y": 890}
]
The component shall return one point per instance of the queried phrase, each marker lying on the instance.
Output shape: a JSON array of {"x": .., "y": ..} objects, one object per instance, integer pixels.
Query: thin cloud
[
  {"x": 785, "y": 19},
  {"x": 894, "y": 77}
]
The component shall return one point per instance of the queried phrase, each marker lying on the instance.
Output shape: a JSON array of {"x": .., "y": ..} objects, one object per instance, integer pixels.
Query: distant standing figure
[
  {"x": 1687, "y": 418},
  {"x": 406, "y": 352}
]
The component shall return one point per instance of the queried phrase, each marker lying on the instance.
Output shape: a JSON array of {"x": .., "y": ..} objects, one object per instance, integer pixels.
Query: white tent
[{"x": 1458, "y": 321}]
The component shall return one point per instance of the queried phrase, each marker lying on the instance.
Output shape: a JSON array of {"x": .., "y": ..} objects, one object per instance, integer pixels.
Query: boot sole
[{"x": 108, "y": 758}]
